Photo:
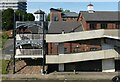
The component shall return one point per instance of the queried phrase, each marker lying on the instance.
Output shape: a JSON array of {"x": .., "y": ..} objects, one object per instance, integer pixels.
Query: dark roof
[
  {"x": 58, "y": 27},
  {"x": 53, "y": 9},
  {"x": 39, "y": 12},
  {"x": 70, "y": 14},
  {"x": 90, "y": 4},
  {"x": 100, "y": 15}
]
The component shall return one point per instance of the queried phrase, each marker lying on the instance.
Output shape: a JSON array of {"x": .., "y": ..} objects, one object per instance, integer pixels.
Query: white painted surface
[
  {"x": 61, "y": 67},
  {"x": 84, "y": 35},
  {"x": 108, "y": 65},
  {"x": 85, "y": 56},
  {"x": 39, "y": 17},
  {"x": 90, "y": 9},
  {"x": 18, "y": 51},
  {"x": 28, "y": 56},
  {"x": 18, "y": 37}
]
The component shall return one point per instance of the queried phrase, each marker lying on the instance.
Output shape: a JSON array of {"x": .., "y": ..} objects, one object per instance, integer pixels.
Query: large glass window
[
  {"x": 56, "y": 18},
  {"x": 103, "y": 25},
  {"x": 118, "y": 25},
  {"x": 92, "y": 26}
]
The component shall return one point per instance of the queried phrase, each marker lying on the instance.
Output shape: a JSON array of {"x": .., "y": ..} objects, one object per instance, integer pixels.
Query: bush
[
  {"x": 4, "y": 66},
  {"x": 4, "y": 36},
  {"x": 4, "y": 39}
]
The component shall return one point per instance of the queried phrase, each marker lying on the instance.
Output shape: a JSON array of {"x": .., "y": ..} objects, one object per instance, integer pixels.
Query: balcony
[
  {"x": 29, "y": 53},
  {"x": 85, "y": 35},
  {"x": 84, "y": 56},
  {"x": 29, "y": 36}
]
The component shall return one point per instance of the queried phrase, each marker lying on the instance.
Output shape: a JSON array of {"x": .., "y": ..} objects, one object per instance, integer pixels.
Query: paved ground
[
  {"x": 63, "y": 76},
  {"x": 56, "y": 81},
  {"x": 7, "y": 50},
  {"x": 8, "y": 47}
]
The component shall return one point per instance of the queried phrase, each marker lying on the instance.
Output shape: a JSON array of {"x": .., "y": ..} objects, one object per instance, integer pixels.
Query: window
[
  {"x": 64, "y": 19},
  {"x": 56, "y": 18},
  {"x": 92, "y": 26},
  {"x": 103, "y": 26},
  {"x": 117, "y": 25}
]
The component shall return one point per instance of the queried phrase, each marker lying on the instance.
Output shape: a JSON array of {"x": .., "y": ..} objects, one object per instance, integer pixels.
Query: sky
[{"x": 72, "y": 6}]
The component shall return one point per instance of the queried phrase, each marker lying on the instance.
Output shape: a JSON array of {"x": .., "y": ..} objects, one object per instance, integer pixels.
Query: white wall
[
  {"x": 108, "y": 65},
  {"x": 39, "y": 17}
]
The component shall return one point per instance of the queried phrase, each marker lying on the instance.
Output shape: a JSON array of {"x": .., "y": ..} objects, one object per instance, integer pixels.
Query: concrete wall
[
  {"x": 85, "y": 56},
  {"x": 82, "y": 35}
]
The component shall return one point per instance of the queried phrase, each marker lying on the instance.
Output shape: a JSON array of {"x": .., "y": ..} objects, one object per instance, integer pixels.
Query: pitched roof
[
  {"x": 70, "y": 14},
  {"x": 53, "y": 9},
  {"x": 90, "y": 4},
  {"x": 39, "y": 12},
  {"x": 100, "y": 16},
  {"x": 58, "y": 27}
]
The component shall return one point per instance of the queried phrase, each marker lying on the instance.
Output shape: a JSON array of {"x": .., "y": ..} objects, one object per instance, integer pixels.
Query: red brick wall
[
  {"x": 98, "y": 25},
  {"x": 74, "y": 47},
  {"x": 84, "y": 23},
  {"x": 111, "y": 26},
  {"x": 55, "y": 13}
]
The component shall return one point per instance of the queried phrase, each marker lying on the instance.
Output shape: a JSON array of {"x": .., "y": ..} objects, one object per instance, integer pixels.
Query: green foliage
[
  {"x": 66, "y": 10},
  {"x": 30, "y": 17},
  {"x": 4, "y": 66},
  {"x": 63, "y": 10},
  {"x": 48, "y": 17},
  {"x": 4, "y": 36},
  {"x": 8, "y": 18},
  {"x": 4, "y": 39}
]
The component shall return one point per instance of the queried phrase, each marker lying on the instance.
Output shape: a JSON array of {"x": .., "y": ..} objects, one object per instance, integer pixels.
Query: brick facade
[{"x": 74, "y": 47}]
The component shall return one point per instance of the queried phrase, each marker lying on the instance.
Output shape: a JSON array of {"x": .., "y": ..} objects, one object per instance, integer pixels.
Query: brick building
[
  {"x": 92, "y": 46},
  {"x": 58, "y": 15}
]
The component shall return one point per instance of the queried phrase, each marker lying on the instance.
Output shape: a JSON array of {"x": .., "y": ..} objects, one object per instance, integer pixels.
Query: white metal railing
[
  {"x": 31, "y": 52},
  {"x": 29, "y": 36}
]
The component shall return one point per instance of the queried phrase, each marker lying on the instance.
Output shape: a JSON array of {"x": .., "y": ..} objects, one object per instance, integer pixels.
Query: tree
[
  {"x": 20, "y": 15},
  {"x": 30, "y": 17},
  {"x": 63, "y": 10},
  {"x": 60, "y": 9},
  {"x": 8, "y": 19},
  {"x": 66, "y": 10},
  {"x": 48, "y": 17}
]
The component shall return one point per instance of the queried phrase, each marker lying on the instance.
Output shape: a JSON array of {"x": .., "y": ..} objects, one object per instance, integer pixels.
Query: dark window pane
[{"x": 103, "y": 26}]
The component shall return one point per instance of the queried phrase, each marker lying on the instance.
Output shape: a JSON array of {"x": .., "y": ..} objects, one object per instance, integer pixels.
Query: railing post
[
  {"x": 43, "y": 48},
  {"x": 14, "y": 35}
]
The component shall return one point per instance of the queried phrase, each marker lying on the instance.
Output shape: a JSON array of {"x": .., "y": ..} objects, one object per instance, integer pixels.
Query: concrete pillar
[
  {"x": 61, "y": 48},
  {"x": 18, "y": 37},
  {"x": 18, "y": 51},
  {"x": 61, "y": 52},
  {"x": 108, "y": 65},
  {"x": 61, "y": 67}
]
